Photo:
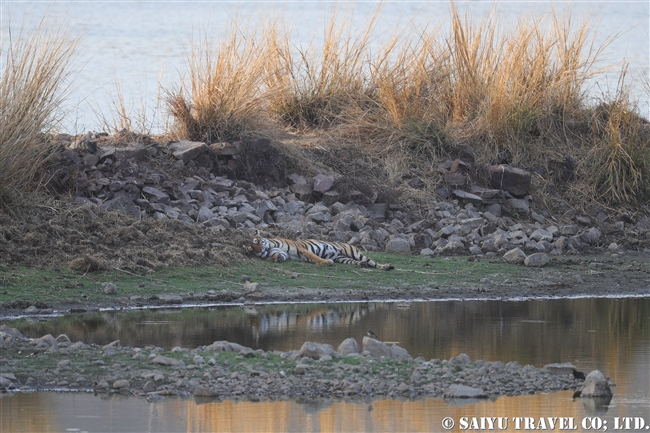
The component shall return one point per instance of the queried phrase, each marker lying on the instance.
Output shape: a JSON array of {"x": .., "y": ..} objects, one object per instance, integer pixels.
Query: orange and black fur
[{"x": 313, "y": 251}]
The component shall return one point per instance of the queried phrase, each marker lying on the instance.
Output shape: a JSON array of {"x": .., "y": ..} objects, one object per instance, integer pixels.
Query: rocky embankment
[
  {"x": 193, "y": 182},
  {"x": 229, "y": 370}
]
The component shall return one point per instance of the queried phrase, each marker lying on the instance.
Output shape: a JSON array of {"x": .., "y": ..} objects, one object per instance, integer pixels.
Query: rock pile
[{"x": 146, "y": 182}]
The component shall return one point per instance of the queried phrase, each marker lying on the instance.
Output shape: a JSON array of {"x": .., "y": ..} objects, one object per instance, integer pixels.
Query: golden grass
[
  {"x": 426, "y": 94},
  {"x": 225, "y": 96},
  {"x": 320, "y": 82},
  {"x": 32, "y": 87},
  {"x": 620, "y": 157}
]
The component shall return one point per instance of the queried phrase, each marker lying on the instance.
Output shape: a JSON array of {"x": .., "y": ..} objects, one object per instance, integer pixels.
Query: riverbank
[{"x": 43, "y": 292}]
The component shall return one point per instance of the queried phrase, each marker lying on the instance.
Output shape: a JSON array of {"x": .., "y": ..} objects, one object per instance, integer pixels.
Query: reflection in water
[
  {"x": 530, "y": 332},
  {"x": 612, "y": 335},
  {"x": 51, "y": 412}
]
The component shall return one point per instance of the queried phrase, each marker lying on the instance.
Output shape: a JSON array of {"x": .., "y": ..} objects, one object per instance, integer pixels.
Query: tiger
[{"x": 312, "y": 251}]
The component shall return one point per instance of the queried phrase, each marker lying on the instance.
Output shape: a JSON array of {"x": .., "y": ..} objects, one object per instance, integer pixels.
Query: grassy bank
[{"x": 55, "y": 287}]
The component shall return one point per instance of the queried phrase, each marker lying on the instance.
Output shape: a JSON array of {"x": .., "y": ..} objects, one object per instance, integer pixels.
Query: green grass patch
[{"x": 62, "y": 286}]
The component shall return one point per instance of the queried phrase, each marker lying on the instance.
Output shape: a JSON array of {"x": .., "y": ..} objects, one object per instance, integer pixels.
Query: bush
[{"x": 32, "y": 88}]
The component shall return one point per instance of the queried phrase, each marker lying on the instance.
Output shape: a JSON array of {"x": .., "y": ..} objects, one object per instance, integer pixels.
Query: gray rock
[
  {"x": 467, "y": 197},
  {"x": 347, "y": 220},
  {"x": 250, "y": 287},
  {"x": 316, "y": 350},
  {"x": 155, "y": 195},
  {"x": 376, "y": 348},
  {"x": 247, "y": 352},
  {"x": 453, "y": 246},
  {"x": 515, "y": 256},
  {"x": 202, "y": 391},
  {"x": 455, "y": 181},
  {"x": 536, "y": 260},
  {"x": 397, "y": 244},
  {"x": 348, "y": 346},
  {"x": 323, "y": 183},
  {"x": 187, "y": 150},
  {"x": 123, "y": 204},
  {"x": 596, "y": 385},
  {"x": 149, "y": 386},
  {"x": 465, "y": 226},
  {"x": 31, "y": 310},
  {"x": 461, "y": 359},
  {"x": 564, "y": 368},
  {"x": 303, "y": 191},
  {"x": 204, "y": 214},
  {"x": 444, "y": 232},
  {"x": 164, "y": 360},
  {"x": 121, "y": 383},
  {"x": 109, "y": 288},
  {"x": 463, "y": 391},
  {"x": 542, "y": 235},
  {"x": 397, "y": 352},
  {"x": 62, "y": 338},
  {"x": 519, "y": 205},
  {"x": 591, "y": 236},
  {"x": 568, "y": 230},
  {"x": 514, "y": 180}
]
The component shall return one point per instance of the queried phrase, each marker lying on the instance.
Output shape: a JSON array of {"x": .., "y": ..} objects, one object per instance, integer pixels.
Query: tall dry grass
[
  {"x": 225, "y": 94},
  {"x": 32, "y": 87},
  {"x": 620, "y": 157},
  {"x": 481, "y": 87},
  {"x": 320, "y": 82}
]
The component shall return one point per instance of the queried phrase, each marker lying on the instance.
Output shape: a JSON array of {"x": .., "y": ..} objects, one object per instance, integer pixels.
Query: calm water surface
[
  {"x": 612, "y": 335},
  {"x": 137, "y": 49}
]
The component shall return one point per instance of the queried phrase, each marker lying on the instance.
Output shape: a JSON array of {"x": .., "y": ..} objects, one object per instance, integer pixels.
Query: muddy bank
[{"x": 226, "y": 370}]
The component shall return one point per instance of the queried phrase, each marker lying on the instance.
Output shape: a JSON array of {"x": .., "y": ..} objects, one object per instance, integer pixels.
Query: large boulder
[
  {"x": 317, "y": 350},
  {"x": 514, "y": 180},
  {"x": 515, "y": 256},
  {"x": 596, "y": 385},
  {"x": 398, "y": 244},
  {"x": 378, "y": 349},
  {"x": 348, "y": 346},
  {"x": 536, "y": 260},
  {"x": 187, "y": 150}
]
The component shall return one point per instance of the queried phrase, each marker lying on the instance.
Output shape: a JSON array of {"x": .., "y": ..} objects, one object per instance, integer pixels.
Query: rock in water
[{"x": 596, "y": 385}]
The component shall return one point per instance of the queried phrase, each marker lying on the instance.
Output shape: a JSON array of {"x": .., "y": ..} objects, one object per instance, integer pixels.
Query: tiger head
[{"x": 259, "y": 246}]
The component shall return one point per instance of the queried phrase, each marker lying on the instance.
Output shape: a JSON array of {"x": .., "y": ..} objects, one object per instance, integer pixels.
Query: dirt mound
[{"x": 87, "y": 240}]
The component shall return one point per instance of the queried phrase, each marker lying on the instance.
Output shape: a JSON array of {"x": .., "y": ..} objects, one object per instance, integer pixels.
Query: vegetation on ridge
[{"x": 478, "y": 90}]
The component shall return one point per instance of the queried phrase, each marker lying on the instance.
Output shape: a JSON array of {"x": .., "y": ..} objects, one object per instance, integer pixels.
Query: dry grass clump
[
  {"x": 226, "y": 96},
  {"x": 321, "y": 82},
  {"x": 619, "y": 161},
  {"x": 32, "y": 87}
]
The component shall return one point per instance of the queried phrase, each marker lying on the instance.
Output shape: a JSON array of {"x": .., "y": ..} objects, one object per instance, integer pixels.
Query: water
[
  {"x": 612, "y": 335},
  {"x": 138, "y": 48}
]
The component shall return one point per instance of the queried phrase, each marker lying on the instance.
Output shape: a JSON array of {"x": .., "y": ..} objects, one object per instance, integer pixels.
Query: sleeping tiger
[{"x": 313, "y": 251}]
